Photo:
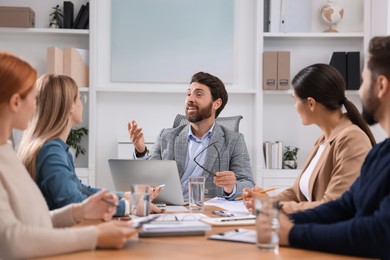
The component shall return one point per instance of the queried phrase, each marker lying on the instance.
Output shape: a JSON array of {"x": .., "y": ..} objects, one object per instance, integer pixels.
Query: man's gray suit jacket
[{"x": 172, "y": 144}]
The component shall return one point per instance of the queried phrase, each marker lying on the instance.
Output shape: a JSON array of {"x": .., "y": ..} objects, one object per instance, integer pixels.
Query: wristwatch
[{"x": 139, "y": 155}]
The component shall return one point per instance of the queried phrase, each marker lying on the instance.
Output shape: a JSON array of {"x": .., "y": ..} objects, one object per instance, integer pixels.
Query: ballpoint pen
[
  {"x": 238, "y": 219},
  {"x": 257, "y": 193},
  {"x": 103, "y": 199}
]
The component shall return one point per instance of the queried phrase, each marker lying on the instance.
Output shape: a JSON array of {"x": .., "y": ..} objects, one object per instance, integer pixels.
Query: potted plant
[
  {"x": 56, "y": 16},
  {"x": 290, "y": 157},
  {"x": 74, "y": 140}
]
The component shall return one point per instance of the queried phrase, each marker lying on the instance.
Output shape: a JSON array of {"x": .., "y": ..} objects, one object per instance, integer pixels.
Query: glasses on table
[{"x": 219, "y": 159}]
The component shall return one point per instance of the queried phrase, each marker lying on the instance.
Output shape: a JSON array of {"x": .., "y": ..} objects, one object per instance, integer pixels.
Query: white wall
[{"x": 155, "y": 111}]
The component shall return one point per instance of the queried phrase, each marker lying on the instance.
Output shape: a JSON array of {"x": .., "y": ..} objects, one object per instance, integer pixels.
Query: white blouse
[{"x": 305, "y": 178}]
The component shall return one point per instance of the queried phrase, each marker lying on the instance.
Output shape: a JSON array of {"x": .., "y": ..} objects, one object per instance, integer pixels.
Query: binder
[
  {"x": 274, "y": 15},
  {"x": 298, "y": 14},
  {"x": 283, "y": 70},
  {"x": 76, "y": 65},
  {"x": 339, "y": 61},
  {"x": 270, "y": 70},
  {"x": 353, "y": 70},
  {"x": 68, "y": 14},
  {"x": 54, "y": 60},
  {"x": 266, "y": 15},
  {"x": 84, "y": 19},
  {"x": 79, "y": 14}
]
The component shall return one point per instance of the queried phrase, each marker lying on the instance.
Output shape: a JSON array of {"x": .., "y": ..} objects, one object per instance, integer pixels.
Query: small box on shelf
[{"x": 22, "y": 17}]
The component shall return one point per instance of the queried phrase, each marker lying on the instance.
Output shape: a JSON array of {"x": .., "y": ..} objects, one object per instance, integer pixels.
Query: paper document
[
  {"x": 237, "y": 206},
  {"x": 237, "y": 235},
  {"x": 176, "y": 209}
]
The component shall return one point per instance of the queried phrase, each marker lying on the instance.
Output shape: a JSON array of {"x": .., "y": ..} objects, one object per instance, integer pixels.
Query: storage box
[{"x": 17, "y": 17}]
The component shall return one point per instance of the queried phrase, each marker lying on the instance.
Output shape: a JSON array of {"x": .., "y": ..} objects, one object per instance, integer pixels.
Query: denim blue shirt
[{"x": 57, "y": 179}]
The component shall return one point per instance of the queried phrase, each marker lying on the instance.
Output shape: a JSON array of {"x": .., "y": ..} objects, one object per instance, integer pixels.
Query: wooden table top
[{"x": 196, "y": 247}]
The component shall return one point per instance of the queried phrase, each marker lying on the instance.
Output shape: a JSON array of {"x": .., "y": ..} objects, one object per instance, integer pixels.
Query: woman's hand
[
  {"x": 96, "y": 206},
  {"x": 114, "y": 234},
  {"x": 249, "y": 197}
]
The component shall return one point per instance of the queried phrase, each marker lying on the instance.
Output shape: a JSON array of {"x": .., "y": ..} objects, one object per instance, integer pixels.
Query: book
[
  {"x": 277, "y": 155},
  {"x": 68, "y": 14},
  {"x": 54, "y": 57},
  {"x": 267, "y": 147},
  {"x": 174, "y": 228},
  {"x": 339, "y": 61},
  {"x": 353, "y": 70},
  {"x": 76, "y": 65},
  {"x": 84, "y": 19},
  {"x": 270, "y": 70},
  {"x": 236, "y": 235},
  {"x": 79, "y": 14},
  {"x": 283, "y": 70}
]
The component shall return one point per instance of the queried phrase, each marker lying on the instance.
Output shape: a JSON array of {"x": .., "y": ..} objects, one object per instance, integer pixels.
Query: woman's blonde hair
[{"x": 56, "y": 95}]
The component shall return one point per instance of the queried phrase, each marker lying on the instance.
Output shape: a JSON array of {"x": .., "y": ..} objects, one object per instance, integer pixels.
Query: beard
[
  {"x": 370, "y": 106},
  {"x": 201, "y": 114}
]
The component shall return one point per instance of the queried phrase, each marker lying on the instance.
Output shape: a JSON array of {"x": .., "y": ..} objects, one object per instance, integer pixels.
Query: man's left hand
[{"x": 226, "y": 179}]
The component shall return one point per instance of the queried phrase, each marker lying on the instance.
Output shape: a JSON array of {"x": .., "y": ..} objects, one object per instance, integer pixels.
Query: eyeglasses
[{"x": 219, "y": 159}]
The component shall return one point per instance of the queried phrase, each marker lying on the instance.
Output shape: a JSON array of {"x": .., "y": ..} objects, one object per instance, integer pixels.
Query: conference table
[{"x": 196, "y": 247}]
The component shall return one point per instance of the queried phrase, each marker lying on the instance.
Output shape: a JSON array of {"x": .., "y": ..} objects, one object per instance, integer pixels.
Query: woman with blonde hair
[
  {"x": 27, "y": 228},
  {"x": 44, "y": 151}
]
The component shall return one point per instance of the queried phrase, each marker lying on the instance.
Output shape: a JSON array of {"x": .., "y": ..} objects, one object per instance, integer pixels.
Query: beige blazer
[{"x": 336, "y": 170}]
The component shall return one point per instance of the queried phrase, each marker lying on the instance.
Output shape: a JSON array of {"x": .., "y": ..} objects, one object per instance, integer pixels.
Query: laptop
[{"x": 126, "y": 172}]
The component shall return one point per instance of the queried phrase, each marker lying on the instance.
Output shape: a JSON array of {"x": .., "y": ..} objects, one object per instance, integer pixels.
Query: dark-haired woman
[{"x": 335, "y": 160}]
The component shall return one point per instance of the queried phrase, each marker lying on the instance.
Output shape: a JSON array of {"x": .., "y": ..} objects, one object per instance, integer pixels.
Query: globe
[{"x": 331, "y": 14}]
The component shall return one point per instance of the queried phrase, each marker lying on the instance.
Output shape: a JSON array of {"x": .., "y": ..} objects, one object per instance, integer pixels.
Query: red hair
[{"x": 16, "y": 76}]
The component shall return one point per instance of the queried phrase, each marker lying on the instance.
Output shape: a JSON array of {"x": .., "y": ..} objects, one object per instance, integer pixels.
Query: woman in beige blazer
[{"x": 335, "y": 160}]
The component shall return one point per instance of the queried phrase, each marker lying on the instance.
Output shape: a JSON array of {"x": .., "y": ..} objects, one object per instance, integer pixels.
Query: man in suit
[
  {"x": 202, "y": 147},
  {"x": 359, "y": 222}
]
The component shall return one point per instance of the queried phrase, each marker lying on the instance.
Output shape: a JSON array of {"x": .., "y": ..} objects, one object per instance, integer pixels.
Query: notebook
[{"x": 126, "y": 172}]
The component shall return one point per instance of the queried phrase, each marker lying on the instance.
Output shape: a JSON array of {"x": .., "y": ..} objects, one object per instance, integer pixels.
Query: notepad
[
  {"x": 236, "y": 235},
  {"x": 177, "y": 228},
  {"x": 231, "y": 221}
]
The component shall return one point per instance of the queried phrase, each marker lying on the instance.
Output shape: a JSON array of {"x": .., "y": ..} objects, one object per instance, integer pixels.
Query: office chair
[{"x": 230, "y": 122}]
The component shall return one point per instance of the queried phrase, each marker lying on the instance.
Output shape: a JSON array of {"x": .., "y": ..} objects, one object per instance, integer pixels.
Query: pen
[
  {"x": 257, "y": 193},
  {"x": 105, "y": 200},
  {"x": 237, "y": 219}
]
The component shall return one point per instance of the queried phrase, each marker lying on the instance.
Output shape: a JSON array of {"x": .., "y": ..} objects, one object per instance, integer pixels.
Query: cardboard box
[{"x": 23, "y": 17}]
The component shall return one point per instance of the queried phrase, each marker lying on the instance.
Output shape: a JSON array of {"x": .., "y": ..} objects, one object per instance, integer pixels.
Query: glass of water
[{"x": 196, "y": 193}]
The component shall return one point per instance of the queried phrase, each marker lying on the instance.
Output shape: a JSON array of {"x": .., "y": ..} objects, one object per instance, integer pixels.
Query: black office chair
[{"x": 230, "y": 122}]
